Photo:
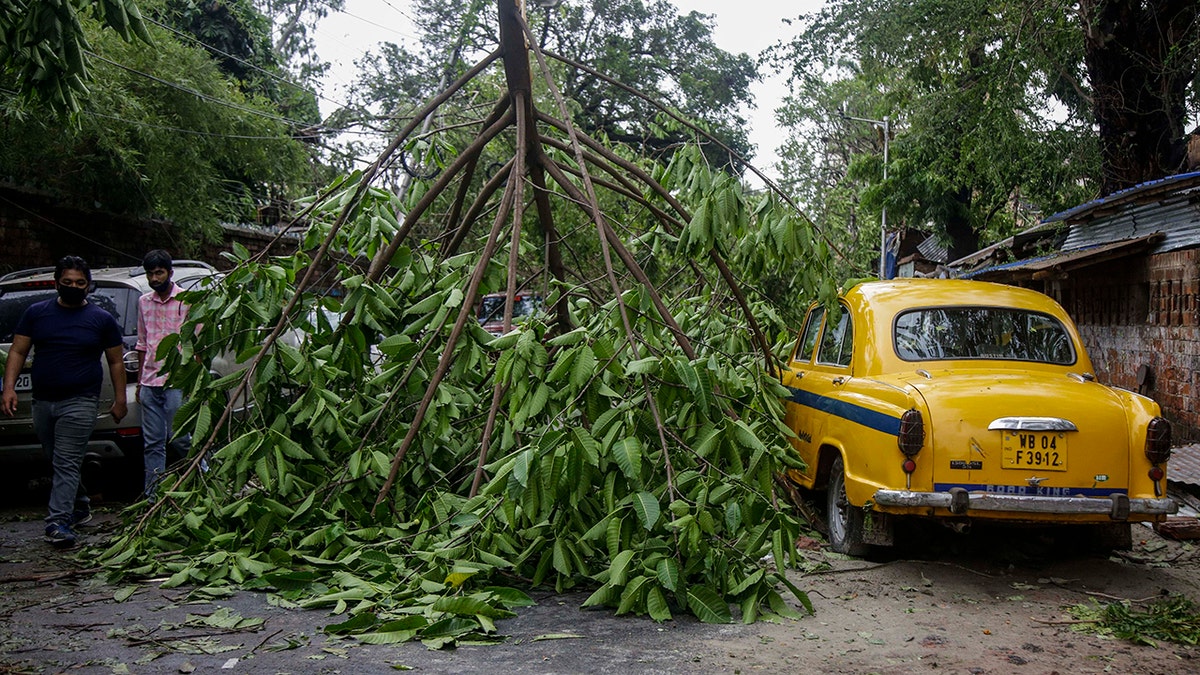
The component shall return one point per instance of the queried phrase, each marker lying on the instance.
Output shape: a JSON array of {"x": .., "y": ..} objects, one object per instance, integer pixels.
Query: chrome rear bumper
[{"x": 960, "y": 502}]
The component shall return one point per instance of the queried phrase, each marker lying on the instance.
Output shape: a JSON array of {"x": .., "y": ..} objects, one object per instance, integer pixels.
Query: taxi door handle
[{"x": 839, "y": 379}]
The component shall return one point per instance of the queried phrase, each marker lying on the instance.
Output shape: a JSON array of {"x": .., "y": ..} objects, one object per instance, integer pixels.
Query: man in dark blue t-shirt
[{"x": 67, "y": 335}]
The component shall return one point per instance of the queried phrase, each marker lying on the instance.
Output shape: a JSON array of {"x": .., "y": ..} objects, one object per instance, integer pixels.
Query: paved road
[{"x": 983, "y": 604}]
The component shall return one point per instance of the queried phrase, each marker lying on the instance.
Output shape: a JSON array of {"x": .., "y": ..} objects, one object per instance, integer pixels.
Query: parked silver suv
[{"x": 115, "y": 289}]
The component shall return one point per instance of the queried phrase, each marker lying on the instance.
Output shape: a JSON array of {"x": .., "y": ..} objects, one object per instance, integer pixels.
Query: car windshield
[
  {"x": 999, "y": 333},
  {"x": 492, "y": 307},
  {"x": 118, "y": 301}
]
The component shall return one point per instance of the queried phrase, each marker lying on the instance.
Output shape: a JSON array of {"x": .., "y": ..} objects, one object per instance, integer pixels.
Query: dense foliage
[
  {"x": 1173, "y": 618},
  {"x": 169, "y": 130},
  {"x": 993, "y": 109},
  {"x": 624, "y": 468},
  {"x": 646, "y": 46},
  {"x": 43, "y": 45}
]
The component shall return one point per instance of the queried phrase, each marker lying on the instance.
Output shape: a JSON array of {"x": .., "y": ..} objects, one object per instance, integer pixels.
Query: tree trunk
[
  {"x": 964, "y": 239},
  {"x": 1141, "y": 56}
]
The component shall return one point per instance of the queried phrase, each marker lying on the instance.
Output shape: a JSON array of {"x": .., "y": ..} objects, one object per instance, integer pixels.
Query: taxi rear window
[{"x": 997, "y": 333}]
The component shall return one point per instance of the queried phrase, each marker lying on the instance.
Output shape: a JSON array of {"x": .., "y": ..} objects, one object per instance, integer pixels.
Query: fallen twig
[
  {"x": 1118, "y": 599},
  {"x": 264, "y": 641},
  {"x": 1063, "y": 622}
]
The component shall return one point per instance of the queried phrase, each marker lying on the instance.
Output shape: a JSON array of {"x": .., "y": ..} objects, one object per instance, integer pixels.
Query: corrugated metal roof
[
  {"x": 1177, "y": 216},
  {"x": 1184, "y": 466},
  {"x": 1169, "y": 205},
  {"x": 1016, "y": 264},
  {"x": 934, "y": 251},
  {"x": 1066, "y": 260},
  {"x": 980, "y": 256},
  {"x": 1134, "y": 193}
]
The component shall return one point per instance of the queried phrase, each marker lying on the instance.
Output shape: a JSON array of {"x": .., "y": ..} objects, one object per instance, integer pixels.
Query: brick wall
[{"x": 1142, "y": 311}]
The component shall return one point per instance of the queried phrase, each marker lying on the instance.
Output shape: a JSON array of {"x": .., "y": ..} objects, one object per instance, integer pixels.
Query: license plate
[
  {"x": 24, "y": 383},
  {"x": 1045, "y": 450}
]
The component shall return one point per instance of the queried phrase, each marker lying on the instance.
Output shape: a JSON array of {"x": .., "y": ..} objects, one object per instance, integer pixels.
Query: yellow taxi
[{"x": 964, "y": 400}]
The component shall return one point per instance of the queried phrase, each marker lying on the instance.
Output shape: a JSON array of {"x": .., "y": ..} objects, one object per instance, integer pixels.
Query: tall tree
[
  {"x": 162, "y": 131},
  {"x": 43, "y": 47},
  {"x": 1142, "y": 59},
  {"x": 992, "y": 103},
  {"x": 294, "y": 22},
  {"x": 647, "y": 46}
]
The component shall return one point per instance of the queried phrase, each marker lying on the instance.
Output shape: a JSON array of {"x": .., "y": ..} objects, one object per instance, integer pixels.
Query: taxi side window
[
  {"x": 808, "y": 336},
  {"x": 836, "y": 342}
]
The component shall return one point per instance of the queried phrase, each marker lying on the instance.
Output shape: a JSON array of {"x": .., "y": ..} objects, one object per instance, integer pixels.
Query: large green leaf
[
  {"x": 667, "y": 571},
  {"x": 619, "y": 567},
  {"x": 707, "y": 605},
  {"x": 647, "y": 508},
  {"x": 627, "y": 453},
  {"x": 656, "y": 605}
]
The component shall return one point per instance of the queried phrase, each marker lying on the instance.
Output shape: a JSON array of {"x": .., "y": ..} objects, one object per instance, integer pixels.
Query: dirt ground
[{"x": 992, "y": 601}]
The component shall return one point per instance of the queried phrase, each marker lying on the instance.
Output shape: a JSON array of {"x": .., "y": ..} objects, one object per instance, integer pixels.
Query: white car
[{"x": 115, "y": 289}]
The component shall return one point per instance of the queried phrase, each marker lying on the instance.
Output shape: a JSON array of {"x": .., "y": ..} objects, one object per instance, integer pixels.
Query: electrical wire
[
  {"x": 200, "y": 94},
  {"x": 193, "y": 132},
  {"x": 244, "y": 62},
  {"x": 370, "y": 22}
]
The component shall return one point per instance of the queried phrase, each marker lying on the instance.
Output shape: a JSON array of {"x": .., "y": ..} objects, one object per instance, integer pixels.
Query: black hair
[
  {"x": 72, "y": 262},
  {"x": 156, "y": 259}
]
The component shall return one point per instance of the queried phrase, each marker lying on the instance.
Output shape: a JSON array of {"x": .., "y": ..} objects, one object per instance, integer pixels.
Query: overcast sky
[{"x": 747, "y": 26}]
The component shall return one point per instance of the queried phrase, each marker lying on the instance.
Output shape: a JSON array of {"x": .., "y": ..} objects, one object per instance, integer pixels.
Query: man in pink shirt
[{"x": 160, "y": 314}]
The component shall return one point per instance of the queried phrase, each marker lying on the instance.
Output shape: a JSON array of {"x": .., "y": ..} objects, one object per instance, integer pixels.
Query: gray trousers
[{"x": 64, "y": 427}]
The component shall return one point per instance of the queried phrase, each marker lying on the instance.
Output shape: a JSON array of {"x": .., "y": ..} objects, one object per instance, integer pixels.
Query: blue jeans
[
  {"x": 159, "y": 405},
  {"x": 64, "y": 427}
]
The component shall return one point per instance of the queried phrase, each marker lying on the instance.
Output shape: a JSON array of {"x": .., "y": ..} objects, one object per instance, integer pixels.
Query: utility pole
[{"x": 885, "y": 125}]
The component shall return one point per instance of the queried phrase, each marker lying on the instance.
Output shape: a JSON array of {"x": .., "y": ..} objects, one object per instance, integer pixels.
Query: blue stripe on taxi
[{"x": 871, "y": 419}]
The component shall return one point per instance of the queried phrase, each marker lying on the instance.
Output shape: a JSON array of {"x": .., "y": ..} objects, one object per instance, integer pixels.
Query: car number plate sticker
[
  {"x": 1044, "y": 450},
  {"x": 24, "y": 383}
]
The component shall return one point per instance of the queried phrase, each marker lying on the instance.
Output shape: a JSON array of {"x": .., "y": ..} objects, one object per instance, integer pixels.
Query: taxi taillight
[
  {"x": 912, "y": 432},
  {"x": 1158, "y": 440}
]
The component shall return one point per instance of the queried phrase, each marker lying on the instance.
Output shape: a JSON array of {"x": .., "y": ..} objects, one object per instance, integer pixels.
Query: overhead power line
[
  {"x": 193, "y": 132},
  {"x": 199, "y": 94},
  {"x": 370, "y": 22},
  {"x": 273, "y": 76}
]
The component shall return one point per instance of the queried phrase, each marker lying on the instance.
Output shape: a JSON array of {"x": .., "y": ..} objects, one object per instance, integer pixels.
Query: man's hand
[
  {"x": 8, "y": 403},
  {"x": 118, "y": 410}
]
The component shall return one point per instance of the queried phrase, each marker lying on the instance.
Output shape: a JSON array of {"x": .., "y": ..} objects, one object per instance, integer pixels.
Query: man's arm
[
  {"x": 116, "y": 372},
  {"x": 12, "y": 368}
]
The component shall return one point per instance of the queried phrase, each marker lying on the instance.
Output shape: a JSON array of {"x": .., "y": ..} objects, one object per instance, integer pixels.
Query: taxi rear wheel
[{"x": 845, "y": 520}]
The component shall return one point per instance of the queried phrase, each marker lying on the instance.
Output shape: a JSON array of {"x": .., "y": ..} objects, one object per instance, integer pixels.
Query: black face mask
[
  {"x": 72, "y": 295},
  {"x": 160, "y": 287}
]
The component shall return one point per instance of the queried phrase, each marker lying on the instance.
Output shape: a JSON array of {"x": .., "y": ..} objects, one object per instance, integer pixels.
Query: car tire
[{"x": 844, "y": 519}]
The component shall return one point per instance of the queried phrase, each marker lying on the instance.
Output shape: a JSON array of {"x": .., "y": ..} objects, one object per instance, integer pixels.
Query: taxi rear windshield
[{"x": 997, "y": 333}]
